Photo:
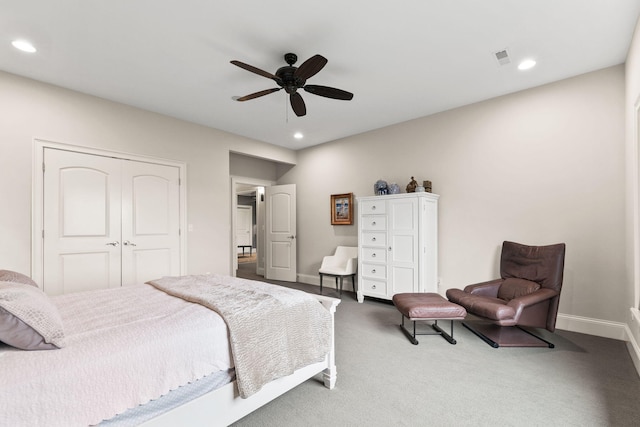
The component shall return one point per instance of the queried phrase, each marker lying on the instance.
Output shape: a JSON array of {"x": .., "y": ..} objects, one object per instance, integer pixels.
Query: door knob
[
  {"x": 128, "y": 243},
  {"x": 114, "y": 244},
  {"x": 291, "y": 237}
]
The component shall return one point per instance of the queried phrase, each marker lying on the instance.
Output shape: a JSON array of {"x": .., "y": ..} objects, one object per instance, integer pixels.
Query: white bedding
[{"x": 90, "y": 379}]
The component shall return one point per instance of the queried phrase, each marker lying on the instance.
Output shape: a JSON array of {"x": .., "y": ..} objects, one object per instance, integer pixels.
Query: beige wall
[
  {"x": 540, "y": 166},
  {"x": 36, "y": 110}
]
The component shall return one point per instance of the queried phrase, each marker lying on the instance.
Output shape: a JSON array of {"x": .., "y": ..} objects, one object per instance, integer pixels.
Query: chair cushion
[
  {"x": 491, "y": 308},
  {"x": 513, "y": 288}
]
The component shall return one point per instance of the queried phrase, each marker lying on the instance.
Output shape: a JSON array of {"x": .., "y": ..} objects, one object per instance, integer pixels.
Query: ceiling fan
[{"x": 292, "y": 78}]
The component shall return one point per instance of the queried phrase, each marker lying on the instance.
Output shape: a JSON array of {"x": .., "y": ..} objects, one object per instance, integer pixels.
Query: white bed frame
[{"x": 223, "y": 406}]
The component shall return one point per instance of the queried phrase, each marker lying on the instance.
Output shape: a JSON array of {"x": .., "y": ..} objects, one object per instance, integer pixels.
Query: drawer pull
[
  {"x": 373, "y": 255},
  {"x": 373, "y": 271},
  {"x": 373, "y": 223},
  {"x": 373, "y": 287},
  {"x": 373, "y": 240},
  {"x": 373, "y": 208}
]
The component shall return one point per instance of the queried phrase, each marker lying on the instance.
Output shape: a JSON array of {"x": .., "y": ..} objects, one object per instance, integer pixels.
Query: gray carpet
[{"x": 384, "y": 380}]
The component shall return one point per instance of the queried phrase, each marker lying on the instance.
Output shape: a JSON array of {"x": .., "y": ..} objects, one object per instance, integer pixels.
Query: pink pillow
[
  {"x": 28, "y": 319},
  {"x": 13, "y": 276}
]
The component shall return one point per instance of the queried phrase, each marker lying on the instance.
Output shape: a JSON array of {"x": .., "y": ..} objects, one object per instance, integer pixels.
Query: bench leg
[
  {"x": 412, "y": 337},
  {"x": 438, "y": 329},
  {"x": 445, "y": 335}
]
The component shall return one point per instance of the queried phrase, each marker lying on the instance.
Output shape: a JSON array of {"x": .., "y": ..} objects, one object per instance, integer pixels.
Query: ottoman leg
[
  {"x": 411, "y": 337},
  {"x": 445, "y": 335}
]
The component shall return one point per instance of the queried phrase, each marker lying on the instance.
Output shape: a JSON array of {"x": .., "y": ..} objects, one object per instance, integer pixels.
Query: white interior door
[
  {"x": 244, "y": 226},
  {"x": 107, "y": 222},
  {"x": 280, "y": 218},
  {"x": 150, "y": 222},
  {"x": 82, "y": 206}
]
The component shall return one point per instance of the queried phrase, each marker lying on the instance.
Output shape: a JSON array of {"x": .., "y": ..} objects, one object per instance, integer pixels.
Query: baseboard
[
  {"x": 632, "y": 341},
  {"x": 590, "y": 326},
  {"x": 309, "y": 279}
]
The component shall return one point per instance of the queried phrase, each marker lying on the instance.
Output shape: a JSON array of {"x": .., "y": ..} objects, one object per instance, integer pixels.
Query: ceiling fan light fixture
[
  {"x": 527, "y": 64},
  {"x": 24, "y": 45}
]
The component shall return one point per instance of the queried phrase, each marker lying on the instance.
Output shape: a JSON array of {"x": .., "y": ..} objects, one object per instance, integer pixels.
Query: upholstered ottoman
[{"x": 427, "y": 306}]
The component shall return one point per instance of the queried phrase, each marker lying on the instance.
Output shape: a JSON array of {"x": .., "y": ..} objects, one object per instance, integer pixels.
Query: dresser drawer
[
  {"x": 374, "y": 255},
  {"x": 374, "y": 222},
  {"x": 372, "y": 207},
  {"x": 372, "y": 238},
  {"x": 374, "y": 288},
  {"x": 374, "y": 271}
]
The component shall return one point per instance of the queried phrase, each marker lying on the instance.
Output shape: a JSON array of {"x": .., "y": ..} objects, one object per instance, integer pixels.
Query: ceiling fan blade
[
  {"x": 258, "y": 94},
  {"x": 297, "y": 103},
  {"x": 329, "y": 92},
  {"x": 310, "y": 67},
  {"x": 255, "y": 70}
]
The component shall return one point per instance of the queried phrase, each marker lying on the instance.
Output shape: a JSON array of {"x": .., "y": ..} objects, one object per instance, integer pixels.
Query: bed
[{"x": 190, "y": 350}]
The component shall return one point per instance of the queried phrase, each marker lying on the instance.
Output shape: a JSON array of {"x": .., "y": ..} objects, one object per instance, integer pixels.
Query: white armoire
[{"x": 397, "y": 244}]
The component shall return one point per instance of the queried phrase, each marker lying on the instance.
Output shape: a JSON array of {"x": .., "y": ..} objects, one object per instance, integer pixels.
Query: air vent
[{"x": 502, "y": 56}]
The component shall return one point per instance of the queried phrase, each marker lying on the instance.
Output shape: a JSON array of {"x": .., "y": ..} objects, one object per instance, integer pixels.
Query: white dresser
[{"x": 397, "y": 244}]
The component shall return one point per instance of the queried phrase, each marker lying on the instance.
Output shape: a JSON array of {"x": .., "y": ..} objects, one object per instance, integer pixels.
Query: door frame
[
  {"x": 37, "y": 196},
  {"x": 260, "y": 233}
]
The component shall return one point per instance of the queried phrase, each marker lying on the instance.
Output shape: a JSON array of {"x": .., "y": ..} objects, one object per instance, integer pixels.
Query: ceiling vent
[{"x": 502, "y": 56}]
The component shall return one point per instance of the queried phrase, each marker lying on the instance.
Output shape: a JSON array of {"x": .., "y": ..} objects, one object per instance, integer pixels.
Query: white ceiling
[{"x": 402, "y": 60}]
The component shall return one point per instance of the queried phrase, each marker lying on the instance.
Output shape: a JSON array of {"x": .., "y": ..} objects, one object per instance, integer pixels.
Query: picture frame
[{"x": 342, "y": 209}]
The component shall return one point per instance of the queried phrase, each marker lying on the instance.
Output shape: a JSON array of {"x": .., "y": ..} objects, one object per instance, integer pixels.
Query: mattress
[{"x": 173, "y": 399}]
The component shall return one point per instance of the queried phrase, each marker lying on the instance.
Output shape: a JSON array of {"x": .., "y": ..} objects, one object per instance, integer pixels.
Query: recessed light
[
  {"x": 526, "y": 64},
  {"x": 298, "y": 135},
  {"x": 23, "y": 45}
]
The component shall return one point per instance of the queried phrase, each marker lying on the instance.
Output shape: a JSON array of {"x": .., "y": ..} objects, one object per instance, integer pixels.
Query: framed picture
[{"x": 341, "y": 209}]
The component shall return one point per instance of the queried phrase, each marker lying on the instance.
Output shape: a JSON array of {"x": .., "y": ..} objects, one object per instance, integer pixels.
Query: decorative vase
[{"x": 394, "y": 188}]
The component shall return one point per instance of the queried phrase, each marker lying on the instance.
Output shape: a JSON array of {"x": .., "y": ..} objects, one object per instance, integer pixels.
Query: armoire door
[
  {"x": 403, "y": 245},
  {"x": 107, "y": 222}
]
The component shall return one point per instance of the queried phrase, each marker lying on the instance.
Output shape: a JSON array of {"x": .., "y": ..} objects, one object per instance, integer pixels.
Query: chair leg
[
  {"x": 320, "y": 283},
  {"x": 339, "y": 288},
  {"x": 353, "y": 282}
]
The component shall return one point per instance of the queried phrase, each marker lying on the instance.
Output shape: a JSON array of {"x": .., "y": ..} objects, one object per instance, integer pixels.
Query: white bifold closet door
[{"x": 108, "y": 222}]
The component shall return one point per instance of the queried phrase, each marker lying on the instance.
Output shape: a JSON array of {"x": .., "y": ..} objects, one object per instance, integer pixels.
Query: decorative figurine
[
  {"x": 394, "y": 188},
  {"x": 411, "y": 187},
  {"x": 427, "y": 186}
]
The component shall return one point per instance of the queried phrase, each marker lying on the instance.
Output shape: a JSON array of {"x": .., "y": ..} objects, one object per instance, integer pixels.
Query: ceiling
[{"x": 401, "y": 60}]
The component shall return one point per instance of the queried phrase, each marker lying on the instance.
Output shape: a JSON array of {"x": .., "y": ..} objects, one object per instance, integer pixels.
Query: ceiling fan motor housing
[{"x": 288, "y": 81}]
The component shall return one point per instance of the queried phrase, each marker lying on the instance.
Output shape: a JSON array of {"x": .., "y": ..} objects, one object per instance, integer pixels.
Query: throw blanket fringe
[{"x": 273, "y": 330}]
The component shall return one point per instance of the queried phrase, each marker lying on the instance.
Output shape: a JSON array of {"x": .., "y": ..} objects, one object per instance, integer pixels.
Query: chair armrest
[
  {"x": 533, "y": 298},
  {"x": 328, "y": 261},
  {"x": 485, "y": 289},
  {"x": 352, "y": 266}
]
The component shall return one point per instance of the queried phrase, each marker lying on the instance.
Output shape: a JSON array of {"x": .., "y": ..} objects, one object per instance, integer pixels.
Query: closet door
[
  {"x": 107, "y": 222},
  {"x": 82, "y": 218},
  {"x": 150, "y": 222}
]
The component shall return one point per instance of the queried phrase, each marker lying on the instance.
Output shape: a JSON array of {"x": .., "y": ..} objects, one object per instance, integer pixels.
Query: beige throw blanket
[{"x": 273, "y": 330}]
